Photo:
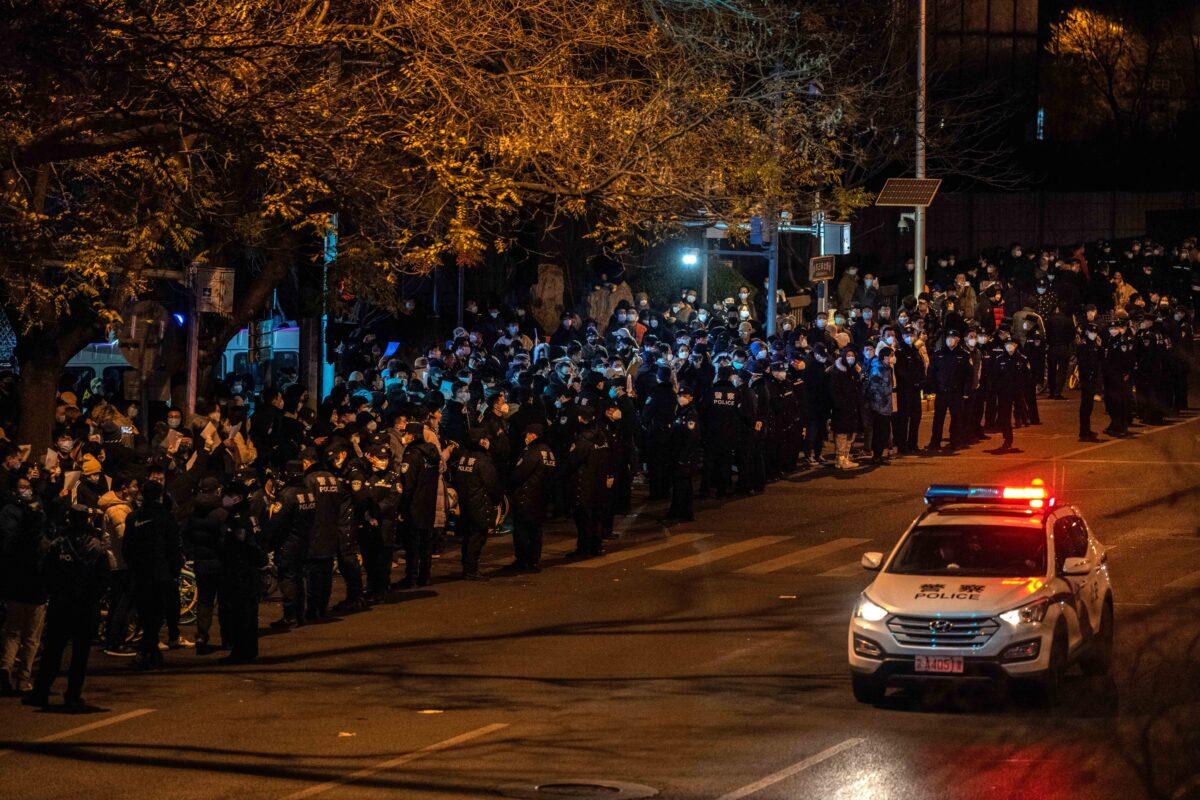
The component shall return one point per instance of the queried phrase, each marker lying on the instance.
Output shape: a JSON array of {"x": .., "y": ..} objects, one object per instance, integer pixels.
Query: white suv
[{"x": 988, "y": 583}]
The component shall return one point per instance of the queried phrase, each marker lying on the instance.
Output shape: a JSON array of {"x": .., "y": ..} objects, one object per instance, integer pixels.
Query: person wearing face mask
[
  {"x": 820, "y": 402},
  {"x": 847, "y": 287},
  {"x": 420, "y": 469},
  {"x": 1089, "y": 356},
  {"x": 479, "y": 495},
  {"x": 587, "y": 470},
  {"x": 243, "y": 555},
  {"x": 1010, "y": 370},
  {"x": 1034, "y": 350},
  {"x": 973, "y": 403},
  {"x": 880, "y": 396},
  {"x": 949, "y": 373},
  {"x": 376, "y": 512},
  {"x": 656, "y": 416},
  {"x": 115, "y": 507},
  {"x": 1060, "y": 335},
  {"x": 495, "y": 423},
  {"x": 909, "y": 371},
  {"x": 24, "y": 530},
  {"x": 724, "y": 421},
  {"x": 529, "y": 487},
  {"x": 1117, "y": 367},
  {"x": 1183, "y": 337},
  {"x": 867, "y": 295},
  {"x": 333, "y": 517},
  {"x": 686, "y": 456},
  {"x": 151, "y": 550},
  {"x": 846, "y": 394},
  {"x": 202, "y": 542},
  {"x": 864, "y": 329},
  {"x": 1150, "y": 357}
]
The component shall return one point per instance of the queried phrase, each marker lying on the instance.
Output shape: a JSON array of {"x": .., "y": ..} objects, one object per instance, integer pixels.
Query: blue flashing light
[{"x": 179, "y": 318}]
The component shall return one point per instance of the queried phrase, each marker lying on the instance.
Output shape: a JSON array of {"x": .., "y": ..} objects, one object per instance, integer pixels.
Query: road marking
[
  {"x": 851, "y": 570},
  {"x": 1141, "y": 435},
  {"x": 91, "y": 726},
  {"x": 398, "y": 762},
  {"x": 719, "y": 553},
  {"x": 636, "y": 552},
  {"x": 800, "y": 556},
  {"x": 1189, "y": 581},
  {"x": 788, "y": 772}
]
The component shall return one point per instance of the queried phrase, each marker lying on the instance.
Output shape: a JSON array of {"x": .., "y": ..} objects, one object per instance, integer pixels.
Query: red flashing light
[{"x": 1024, "y": 493}]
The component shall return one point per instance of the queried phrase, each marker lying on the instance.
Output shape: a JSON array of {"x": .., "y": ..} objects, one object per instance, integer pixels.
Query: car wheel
[
  {"x": 1099, "y": 657},
  {"x": 867, "y": 688},
  {"x": 1050, "y": 684}
]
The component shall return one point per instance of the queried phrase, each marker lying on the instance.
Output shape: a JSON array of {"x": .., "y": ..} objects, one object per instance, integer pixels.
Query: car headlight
[
  {"x": 868, "y": 610},
  {"x": 1029, "y": 613}
]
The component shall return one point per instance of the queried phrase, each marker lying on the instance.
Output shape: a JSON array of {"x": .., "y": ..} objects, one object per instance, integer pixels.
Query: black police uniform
[
  {"x": 479, "y": 493},
  {"x": 687, "y": 458},
  {"x": 530, "y": 492},
  {"x": 290, "y": 527}
]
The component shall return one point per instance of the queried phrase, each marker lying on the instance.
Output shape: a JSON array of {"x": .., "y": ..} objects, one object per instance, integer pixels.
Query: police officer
[
  {"x": 479, "y": 494},
  {"x": 587, "y": 469},
  {"x": 657, "y": 413},
  {"x": 293, "y": 515},
  {"x": 1149, "y": 353},
  {"x": 1010, "y": 372},
  {"x": 530, "y": 492},
  {"x": 347, "y": 555},
  {"x": 333, "y": 512},
  {"x": 378, "y": 515},
  {"x": 420, "y": 471},
  {"x": 1116, "y": 369},
  {"x": 1089, "y": 355},
  {"x": 725, "y": 411},
  {"x": 948, "y": 376},
  {"x": 794, "y": 412},
  {"x": 1183, "y": 335},
  {"x": 687, "y": 456}
]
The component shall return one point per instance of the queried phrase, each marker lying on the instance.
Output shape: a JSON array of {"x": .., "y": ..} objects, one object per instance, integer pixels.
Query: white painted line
[
  {"x": 851, "y": 570},
  {"x": 1141, "y": 434},
  {"x": 788, "y": 772},
  {"x": 800, "y": 556},
  {"x": 91, "y": 726},
  {"x": 398, "y": 762},
  {"x": 637, "y": 552},
  {"x": 1189, "y": 581},
  {"x": 716, "y": 554}
]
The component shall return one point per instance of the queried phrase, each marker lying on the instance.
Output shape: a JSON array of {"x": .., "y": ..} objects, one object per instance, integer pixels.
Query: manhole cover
[{"x": 581, "y": 788}]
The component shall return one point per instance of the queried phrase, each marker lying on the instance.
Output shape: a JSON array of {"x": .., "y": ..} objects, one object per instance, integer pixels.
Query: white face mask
[
  {"x": 849, "y": 361},
  {"x": 1011, "y": 348}
]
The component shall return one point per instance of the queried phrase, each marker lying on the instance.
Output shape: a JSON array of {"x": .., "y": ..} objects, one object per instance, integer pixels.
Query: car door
[{"x": 1071, "y": 541}]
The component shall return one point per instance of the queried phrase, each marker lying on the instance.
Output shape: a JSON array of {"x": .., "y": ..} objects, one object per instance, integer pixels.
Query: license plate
[{"x": 951, "y": 664}]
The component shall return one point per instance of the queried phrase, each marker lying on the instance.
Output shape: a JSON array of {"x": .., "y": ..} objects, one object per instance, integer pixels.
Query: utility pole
[
  {"x": 193, "y": 342},
  {"x": 919, "y": 216}
]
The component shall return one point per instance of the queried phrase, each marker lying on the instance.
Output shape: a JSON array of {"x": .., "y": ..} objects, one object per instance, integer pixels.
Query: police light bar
[{"x": 1035, "y": 495}]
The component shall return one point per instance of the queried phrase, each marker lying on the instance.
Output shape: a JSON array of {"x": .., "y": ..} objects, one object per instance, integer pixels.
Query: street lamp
[{"x": 690, "y": 258}]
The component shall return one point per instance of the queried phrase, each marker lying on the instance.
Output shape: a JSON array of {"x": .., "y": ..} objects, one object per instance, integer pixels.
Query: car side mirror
[
  {"x": 1076, "y": 566},
  {"x": 872, "y": 561}
]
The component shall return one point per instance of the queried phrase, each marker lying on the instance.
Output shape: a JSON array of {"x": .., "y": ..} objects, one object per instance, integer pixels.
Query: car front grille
[{"x": 913, "y": 631}]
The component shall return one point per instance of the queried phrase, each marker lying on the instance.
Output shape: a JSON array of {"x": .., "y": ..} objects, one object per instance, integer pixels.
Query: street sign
[
  {"x": 214, "y": 290},
  {"x": 820, "y": 268},
  {"x": 756, "y": 230},
  {"x": 908, "y": 192}
]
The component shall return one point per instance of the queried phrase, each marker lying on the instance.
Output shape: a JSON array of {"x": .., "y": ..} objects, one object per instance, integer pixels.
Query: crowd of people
[{"x": 499, "y": 425}]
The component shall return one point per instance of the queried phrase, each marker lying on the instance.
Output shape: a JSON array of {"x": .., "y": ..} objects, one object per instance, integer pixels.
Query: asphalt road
[{"x": 704, "y": 661}]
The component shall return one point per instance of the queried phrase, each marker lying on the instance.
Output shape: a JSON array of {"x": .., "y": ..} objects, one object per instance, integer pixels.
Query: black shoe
[
  {"x": 534, "y": 568},
  {"x": 1089, "y": 437},
  {"x": 284, "y": 624},
  {"x": 407, "y": 583},
  {"x": 231, "y": 659},
  {"x": 475, "y": 576},
  {"x": 80, "y": 706},
  {"x": 35, "y": 700},
  {"x": 202, "y": 649}
]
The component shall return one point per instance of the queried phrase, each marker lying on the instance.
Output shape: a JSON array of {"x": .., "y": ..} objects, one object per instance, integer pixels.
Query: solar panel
[{"x": 908, "y": 192}]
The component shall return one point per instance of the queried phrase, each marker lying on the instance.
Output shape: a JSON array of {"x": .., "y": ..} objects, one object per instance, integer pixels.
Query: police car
[{"x": 988, "y": 583}]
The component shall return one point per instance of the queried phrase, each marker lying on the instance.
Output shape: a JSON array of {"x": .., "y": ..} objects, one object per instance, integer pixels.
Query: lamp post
[{"x": 919, "y": 216}]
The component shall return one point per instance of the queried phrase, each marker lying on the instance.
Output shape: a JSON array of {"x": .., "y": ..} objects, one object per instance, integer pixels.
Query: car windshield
[{"x": 979, "y": 550}]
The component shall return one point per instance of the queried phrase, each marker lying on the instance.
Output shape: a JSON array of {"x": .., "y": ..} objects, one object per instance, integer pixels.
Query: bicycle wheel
[{"x": 187, "y": 598}]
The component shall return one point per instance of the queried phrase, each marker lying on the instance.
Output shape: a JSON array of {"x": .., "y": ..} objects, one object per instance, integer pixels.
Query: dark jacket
[
  {"x": 23, "y": 544},
  {"x": 949, "y": 371},
  {"x": 845, "y": 386},
  {"x": 151, "y": 544},
  {"x": 588, "y": 467},
  {"x": 531, "y": 482},
  {"x": 294, "y": 516},
  {"x": 334, "y": 518},
  {"x": 479, "y": 489},
  {"x": 687, "y": 448},
  {"x": 202, "y": 534},
  {"x": 419, "y": 472}
]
